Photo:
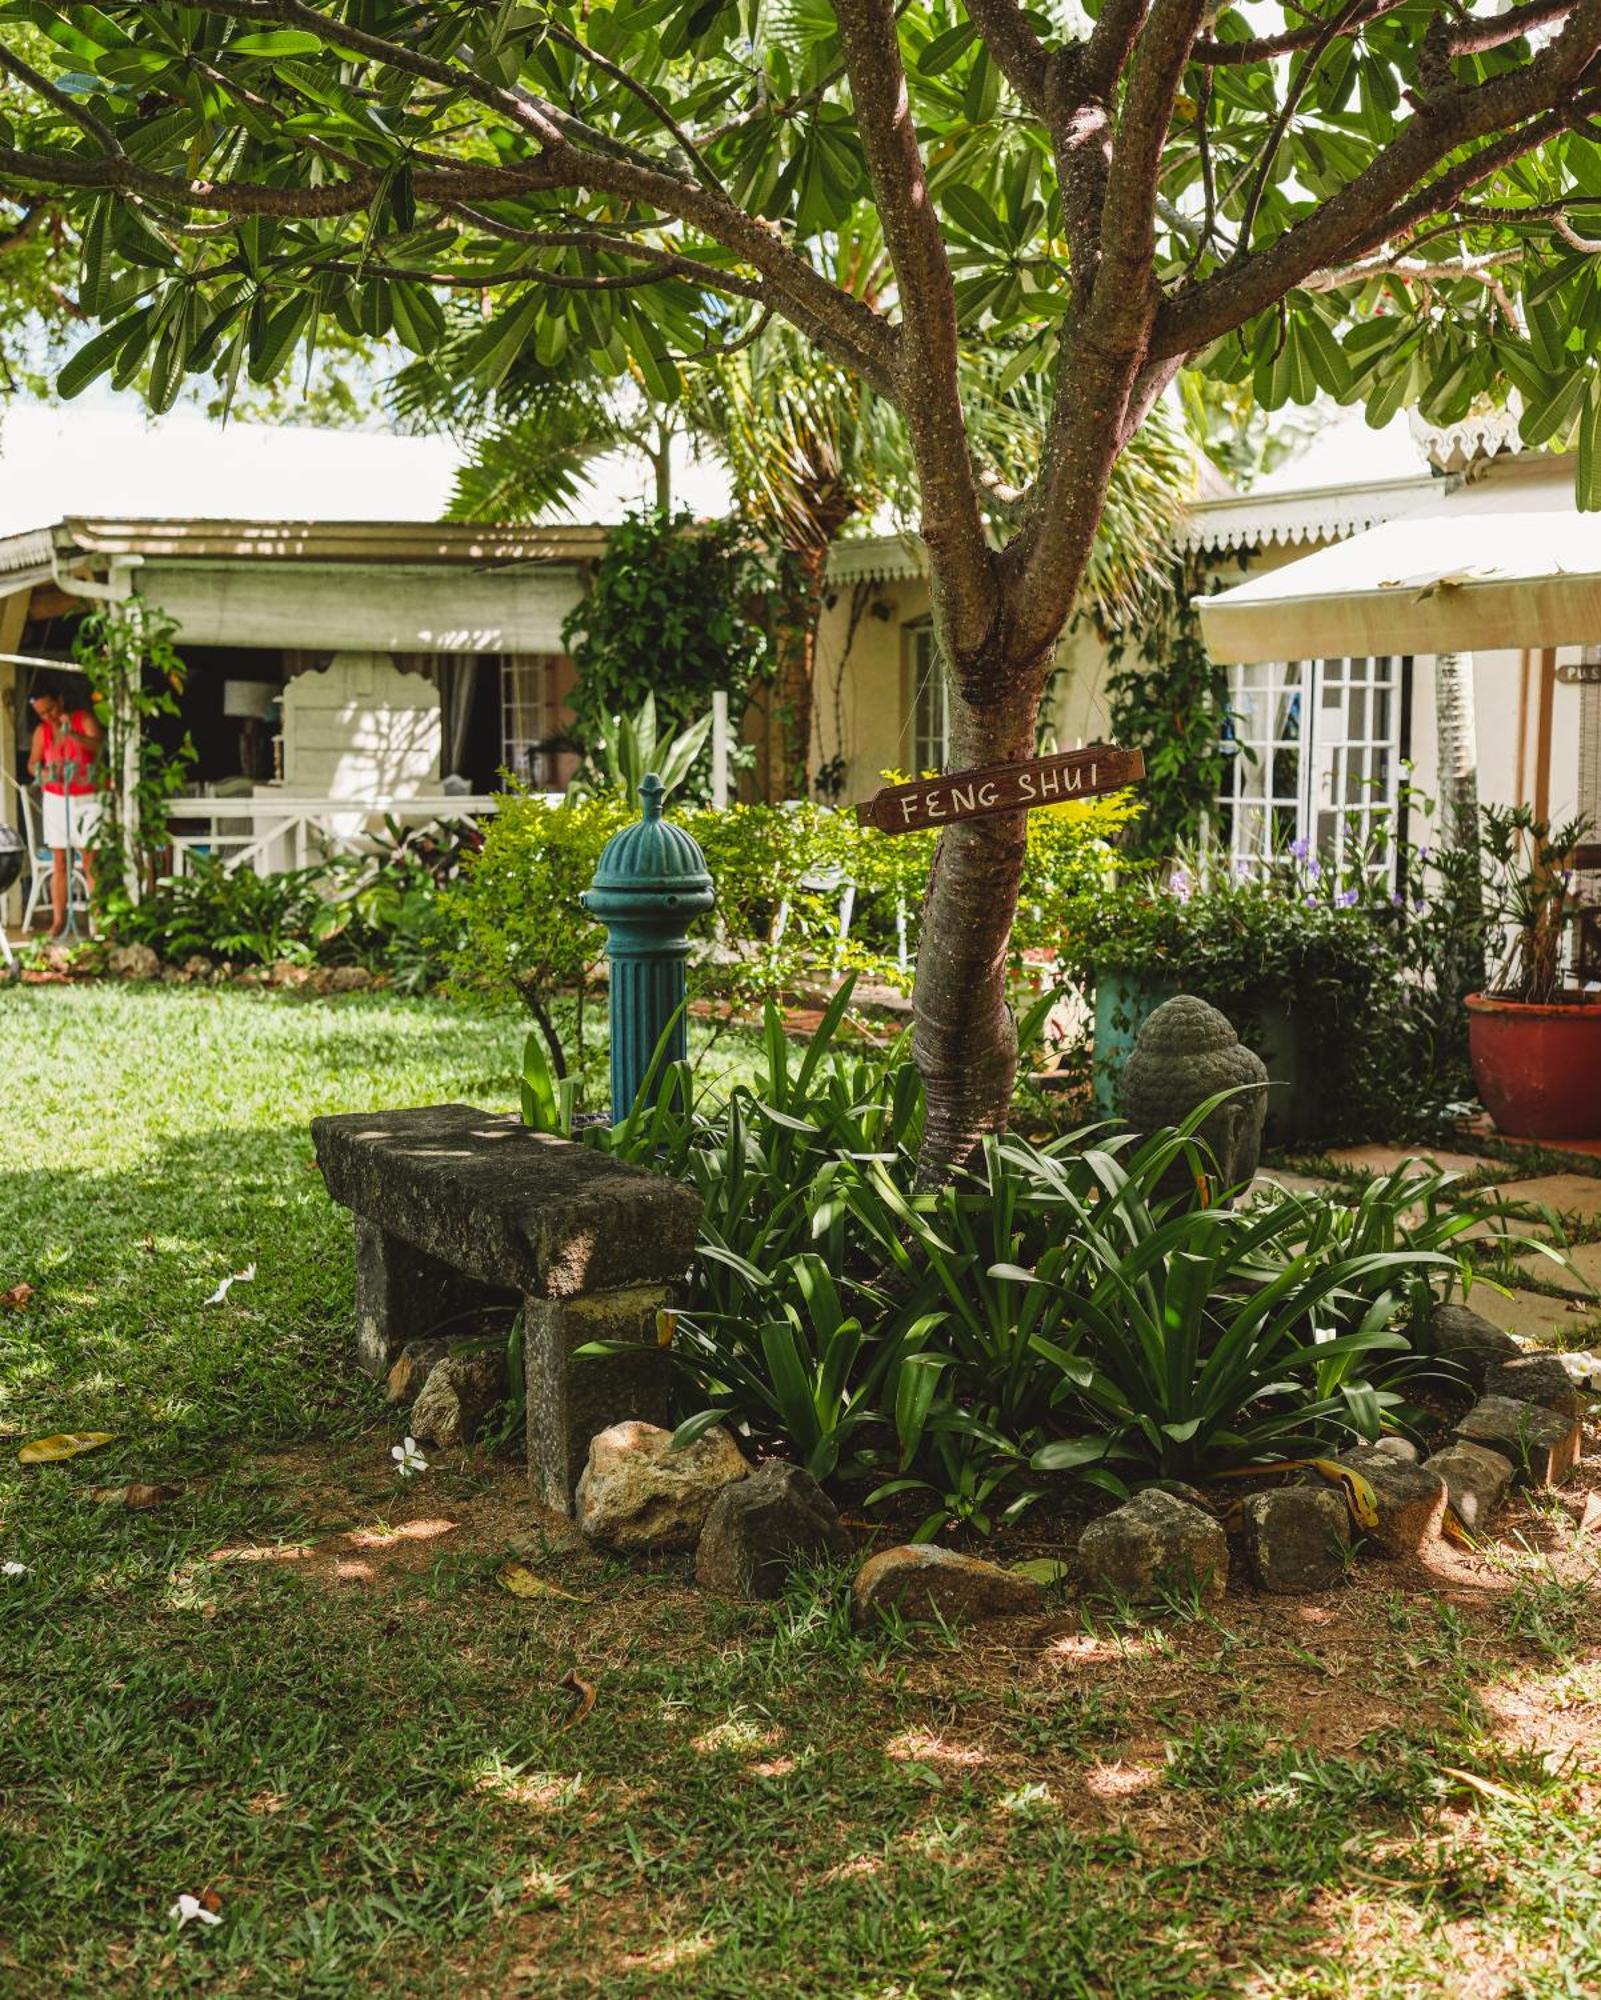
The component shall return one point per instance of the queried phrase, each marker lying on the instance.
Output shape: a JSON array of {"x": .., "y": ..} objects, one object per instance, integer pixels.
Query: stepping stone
[
  {"x": 1385, "y": 1159},
  {"x": 1568, "y": 1194},
  {"x": 1581, "y": 1275},
  {"x": 1271, "y": 1179},
  {"x": 1542, "y": 1447},
  {"x": 1476, "y": 1479},
  {"x": 1532, "y": 1315}
]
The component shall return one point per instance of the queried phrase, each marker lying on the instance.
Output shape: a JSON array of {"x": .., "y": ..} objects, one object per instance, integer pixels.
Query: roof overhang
[
  {"x": 1457, "y": 580},
  {"x": 474, "y": 544}
]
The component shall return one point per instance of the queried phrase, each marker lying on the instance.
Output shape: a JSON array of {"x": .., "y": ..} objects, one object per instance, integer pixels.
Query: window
[
  {"x": 532, "y": 718},
  {"x": 930, "y": 703},
  {"x": 1317, "y": 749}
]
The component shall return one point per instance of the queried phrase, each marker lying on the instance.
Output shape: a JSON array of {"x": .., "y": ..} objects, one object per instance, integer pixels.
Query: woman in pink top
[{"x": 62, "y": 757}]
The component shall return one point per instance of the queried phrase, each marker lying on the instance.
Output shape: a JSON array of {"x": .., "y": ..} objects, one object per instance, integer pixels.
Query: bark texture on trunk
[{"x": 964, "y": 1036}]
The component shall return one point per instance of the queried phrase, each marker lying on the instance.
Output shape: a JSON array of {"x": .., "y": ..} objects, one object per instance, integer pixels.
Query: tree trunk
[
  {"x": 797, "y": 667},
  {"x": 965, "y": 1036}
]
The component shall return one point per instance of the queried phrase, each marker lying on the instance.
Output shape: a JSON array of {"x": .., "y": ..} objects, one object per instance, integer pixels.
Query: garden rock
[
  {"x": 1186, "y": 1052},
  {"x": 1155, "y": 1543},
  {"x": 1470, "y": 1340},
  {"x": 415, "y": 1362},
  {"x": 344, "y": 979},
  {"x": 636, "y": 1493},
  {"x": 1410, "y": 1499},
  {"x": 1476, "y": 1480},
  {"x": 758, "y": 1526},
  {"x": 459, "y": 1393},
  {"x": 924, "y": 1582},
  {"x": 1542, "y": 1446},
  {"x": 196, "y": 967},
  {"x": 285, "y": 972},
  {"x": 133, "y": 961},
  {"x": 1537, "y": 1378},
  {"x": 1297, "y": 1537},
  {"x": 1399, "y": 1448}
]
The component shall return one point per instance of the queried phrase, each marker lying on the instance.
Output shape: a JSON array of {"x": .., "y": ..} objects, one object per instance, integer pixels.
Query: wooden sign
[{"x": 1002, "y": 788}]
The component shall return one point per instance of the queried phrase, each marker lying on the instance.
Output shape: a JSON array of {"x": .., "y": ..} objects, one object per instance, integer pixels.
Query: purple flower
[
  {"x": 1346, "y": 898},
  {"x": 1181, "y": 884},
  {"x": 1397, "y": 900},
  {"x": 1313, "y": 871},
  {"x": 1299, "y": 850}
]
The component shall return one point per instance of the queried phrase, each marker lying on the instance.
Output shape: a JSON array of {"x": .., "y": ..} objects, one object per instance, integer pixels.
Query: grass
[{"x": 298, "y": 1684}]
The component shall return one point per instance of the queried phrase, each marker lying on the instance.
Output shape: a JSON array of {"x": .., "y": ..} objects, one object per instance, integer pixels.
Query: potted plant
[{"x": 1535, "y": 1042}]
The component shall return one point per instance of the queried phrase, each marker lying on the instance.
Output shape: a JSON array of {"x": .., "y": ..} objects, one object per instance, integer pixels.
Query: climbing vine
[{"x": 136, "y": 675}]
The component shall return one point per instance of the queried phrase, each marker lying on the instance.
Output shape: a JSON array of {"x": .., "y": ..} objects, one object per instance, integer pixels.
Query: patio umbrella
[{"x": 1459, "y": 579}]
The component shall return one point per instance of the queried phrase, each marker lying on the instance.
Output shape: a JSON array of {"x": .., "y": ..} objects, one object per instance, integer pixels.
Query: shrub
[
  {"x": 1054, "y": 1316},
  {"x": 1339, "y": 958},
  {"x": 521, "y": 936},
  {"x": 675, "y": 610}
]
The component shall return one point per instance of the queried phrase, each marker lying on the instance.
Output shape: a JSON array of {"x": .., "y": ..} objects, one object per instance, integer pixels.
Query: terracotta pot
[{"x": 1538, "y": 1068}]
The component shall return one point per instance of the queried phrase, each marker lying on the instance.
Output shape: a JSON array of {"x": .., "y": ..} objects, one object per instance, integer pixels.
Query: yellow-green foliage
[{"x": 523, "y": 934}]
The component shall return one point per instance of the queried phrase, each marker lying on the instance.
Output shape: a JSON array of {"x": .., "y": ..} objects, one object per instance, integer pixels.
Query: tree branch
[
  {"x": 1364, "y": 212},
  {"x": 930, "y": 394},
  {"x": 646, "y": 96},
  {"x": 1017, "y": 52},
  {"x": 1265, "y": 47},
  {"x": 69, "y": 107}
]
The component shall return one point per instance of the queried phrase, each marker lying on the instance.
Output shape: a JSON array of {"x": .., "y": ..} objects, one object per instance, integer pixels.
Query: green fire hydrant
[{"x": 650, "y": 882}]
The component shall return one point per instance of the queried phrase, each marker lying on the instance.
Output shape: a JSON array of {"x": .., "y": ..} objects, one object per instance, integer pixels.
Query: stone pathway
[{"x": 1574, "y": 1197}]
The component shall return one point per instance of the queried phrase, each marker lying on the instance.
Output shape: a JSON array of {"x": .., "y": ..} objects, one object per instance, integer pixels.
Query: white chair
[{"x": 41, "y": 860}]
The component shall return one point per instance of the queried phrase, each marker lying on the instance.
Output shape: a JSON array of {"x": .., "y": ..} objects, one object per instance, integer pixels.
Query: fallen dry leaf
[
  {"x": 521, "y": 1581},
  {"x": 585, "y": 1691},
  {"x": 136, "y": 1497},
  {"x": 64, "y": 1444},
  {"x": 1485, "y": 1787},
  {"x": 18, "y": 1295}
]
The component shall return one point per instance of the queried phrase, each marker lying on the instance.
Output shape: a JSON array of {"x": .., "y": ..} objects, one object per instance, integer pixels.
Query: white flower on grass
[
  {"x": 190, "y": 1909},
  {"x": 243, "y": 1277},
  {"x": 13, "y": 1569},
  {"x": 408, "y": 1459}
]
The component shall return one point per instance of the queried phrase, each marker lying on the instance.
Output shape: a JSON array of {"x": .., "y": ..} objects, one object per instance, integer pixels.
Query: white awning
[{"x": 1461, "y": 579}]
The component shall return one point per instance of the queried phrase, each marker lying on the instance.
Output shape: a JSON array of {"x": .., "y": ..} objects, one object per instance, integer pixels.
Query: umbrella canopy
[{"x": 1459, "y": 579}]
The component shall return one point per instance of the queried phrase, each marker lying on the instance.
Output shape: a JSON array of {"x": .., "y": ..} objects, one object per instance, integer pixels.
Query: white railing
[{"x": 271, "y": 833}]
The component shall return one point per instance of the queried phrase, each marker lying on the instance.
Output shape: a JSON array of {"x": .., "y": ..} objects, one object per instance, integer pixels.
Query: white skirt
[{"x": 71, "y": 819}]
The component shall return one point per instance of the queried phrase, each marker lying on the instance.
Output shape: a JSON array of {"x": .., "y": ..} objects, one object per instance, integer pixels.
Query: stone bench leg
[
  {"x": 404, "y": 1294},
  {"x": 570, "y": 1400}
]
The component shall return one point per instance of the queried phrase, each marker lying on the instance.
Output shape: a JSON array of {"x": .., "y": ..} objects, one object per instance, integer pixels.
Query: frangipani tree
[{"x": 1391, "y": 200}]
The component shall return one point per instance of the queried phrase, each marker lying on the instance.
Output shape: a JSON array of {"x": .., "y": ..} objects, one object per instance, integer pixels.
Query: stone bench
[{"x": 458, "y": 1211}]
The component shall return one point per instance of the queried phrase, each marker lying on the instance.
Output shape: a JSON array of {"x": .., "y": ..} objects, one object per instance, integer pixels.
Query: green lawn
[{"x": 298, "y": 1684}]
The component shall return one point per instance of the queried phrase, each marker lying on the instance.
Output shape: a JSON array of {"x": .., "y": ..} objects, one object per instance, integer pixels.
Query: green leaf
[
  {"x": 276, "y": 42},
  {"x": 1587, "y": 478},
  {"x": 98, "y": 354}
]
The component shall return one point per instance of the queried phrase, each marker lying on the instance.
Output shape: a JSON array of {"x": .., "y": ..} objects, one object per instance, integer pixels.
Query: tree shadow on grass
[{"x": 122, "y": 1263}]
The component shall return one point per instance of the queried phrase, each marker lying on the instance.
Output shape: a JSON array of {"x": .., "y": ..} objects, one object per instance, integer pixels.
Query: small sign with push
[{"x": 999, "y": 788}]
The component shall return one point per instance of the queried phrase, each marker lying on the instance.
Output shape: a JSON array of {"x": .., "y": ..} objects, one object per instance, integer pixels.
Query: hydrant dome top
[{"x": 653, "y": 853}]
